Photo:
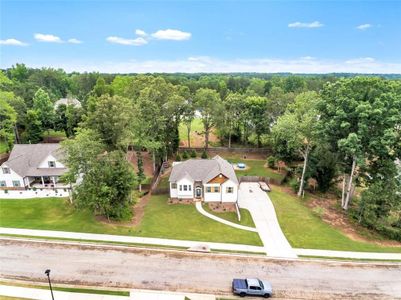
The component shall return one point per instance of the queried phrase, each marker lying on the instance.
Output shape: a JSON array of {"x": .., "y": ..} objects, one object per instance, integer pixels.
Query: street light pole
[{"x": 47, "y": 272}]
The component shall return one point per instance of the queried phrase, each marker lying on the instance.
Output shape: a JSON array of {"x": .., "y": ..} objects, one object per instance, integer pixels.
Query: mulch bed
[{"x": 222, "y": 207}]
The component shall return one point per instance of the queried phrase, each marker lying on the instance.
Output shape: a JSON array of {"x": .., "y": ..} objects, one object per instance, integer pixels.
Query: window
[
  {"x": 229, "y": 190},
  {"x": 6, "y": 171},
  {"x": 52, "y": 164},
  {"x": 185, "y": 187},
  {"x": 189, "y": 188},
  {"x": 2, "y": 183},
  {"x": 173, "y": 186},
  {"x": 180, "y": 187},
  {"x": 213, "y": 189},
  {"x": 16, "y": 183},
  {"x": 208, "y": 189},
  {"x": 216, "y": 189}
]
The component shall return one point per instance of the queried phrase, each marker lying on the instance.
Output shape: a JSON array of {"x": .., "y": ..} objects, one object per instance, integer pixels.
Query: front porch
[{"x": 45, "y": 182}]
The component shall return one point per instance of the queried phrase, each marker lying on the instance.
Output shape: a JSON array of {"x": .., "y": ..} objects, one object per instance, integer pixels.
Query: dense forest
[{"x": 340, "y": 129}]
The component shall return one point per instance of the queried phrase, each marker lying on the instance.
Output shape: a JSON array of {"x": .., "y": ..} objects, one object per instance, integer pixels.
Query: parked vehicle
[{"x": 252, "y": 286}]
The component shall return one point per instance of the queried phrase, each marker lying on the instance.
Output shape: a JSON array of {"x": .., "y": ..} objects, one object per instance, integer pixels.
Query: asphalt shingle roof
[{"x": 203, "y": 170}]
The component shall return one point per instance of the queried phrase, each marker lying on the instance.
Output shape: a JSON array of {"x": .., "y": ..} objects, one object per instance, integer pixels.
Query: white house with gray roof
[
  {"x": 32, "y": 165},
  {"x": 209, "y": 180}
]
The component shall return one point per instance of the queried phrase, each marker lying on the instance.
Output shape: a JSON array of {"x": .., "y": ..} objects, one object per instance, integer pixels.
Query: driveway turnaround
[
  {"x": 170, "y": 270},
  {"x": 251, "y": 197}
]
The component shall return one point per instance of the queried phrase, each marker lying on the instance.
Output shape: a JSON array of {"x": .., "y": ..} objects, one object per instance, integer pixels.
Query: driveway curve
[{"x": 251, "y": 197}]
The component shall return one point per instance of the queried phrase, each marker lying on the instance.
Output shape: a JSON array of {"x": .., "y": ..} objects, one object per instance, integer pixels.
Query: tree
[
  {"x": 209, "y": 104},
  {"x": 323, "y": 166},
  {"x": 44, "y": 108},
  {"x": 111, "y": 118},
  {"x": 81, "y": 152},
  {"x": 187, "y": 117},
  {"x": 256, "y": 108},
  {"x": 8, "y": 118},
  {"x": 360, "y": 119},
  {"x": 67, "y": 118},
  {"x": 33, "y": 130},
  {"x": 233, "y": 108},
  {"x": 140, "y": 174},
  {"x": 107, "y": 186},
  {"x": 297, "y": 129}
]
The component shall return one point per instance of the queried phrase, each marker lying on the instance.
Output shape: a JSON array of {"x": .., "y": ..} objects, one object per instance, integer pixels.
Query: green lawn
[
  {"x": 160, "y": 220},
  {"x": 256, "y": 168},
  {"x": 54, "y": 134},
  {"x": 3, "y": 147},
  {"x": 304, "y": 229},
  {"x": 246, "y": 218}
]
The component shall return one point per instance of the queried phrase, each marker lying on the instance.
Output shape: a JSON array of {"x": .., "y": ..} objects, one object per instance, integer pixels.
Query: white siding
[
  {"x": 229, "y": 197},
  {"x": 212, "y": 197},
  {"x": 9, "y": 178},
  {"x": 45, "y": 163},
  {"x": 189, "y": 193},
  {"x": 173, "y": 192}
]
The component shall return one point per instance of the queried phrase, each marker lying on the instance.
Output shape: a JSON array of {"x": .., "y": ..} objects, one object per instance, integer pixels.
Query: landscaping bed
[{"x": 305, "y": 229}]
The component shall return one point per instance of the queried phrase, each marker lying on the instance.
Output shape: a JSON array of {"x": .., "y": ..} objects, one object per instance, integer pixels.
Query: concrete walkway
[
  {"x": 348, "y": 254},
  {"x": 42, "y": 294},
  {"x": 130, "y": 239},
  {"x": 211, "y": 216},
  {"x": 251, "y": 197}
]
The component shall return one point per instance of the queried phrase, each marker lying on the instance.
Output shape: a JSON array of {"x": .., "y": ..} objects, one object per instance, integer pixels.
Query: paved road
[
  {"x": 193, "y": 272},
  {"x": 251, "y": 197}
]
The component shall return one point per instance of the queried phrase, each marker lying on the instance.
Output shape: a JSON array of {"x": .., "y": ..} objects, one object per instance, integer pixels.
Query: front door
[{"x": 198, "y": 192}]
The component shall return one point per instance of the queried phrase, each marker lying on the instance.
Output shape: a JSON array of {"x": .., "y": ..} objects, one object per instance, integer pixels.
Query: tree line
[{"x": 342, "y": 130}]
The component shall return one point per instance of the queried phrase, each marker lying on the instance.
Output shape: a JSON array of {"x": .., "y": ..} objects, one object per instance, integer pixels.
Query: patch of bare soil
[
  {"x": 222, "y": 207},
  {"x": 139, "y": 210},
  {"x": 336, "y": 217},
  {"x": 147, "y": 162},
  {"x": 180, "y": 201}
]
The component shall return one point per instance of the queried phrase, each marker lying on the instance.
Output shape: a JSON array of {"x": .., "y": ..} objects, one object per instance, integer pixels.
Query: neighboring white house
[
  {"x": 68, "y": 101},
  {"x": 210, "y": 180},
  {"x": 32, "y": 165}
]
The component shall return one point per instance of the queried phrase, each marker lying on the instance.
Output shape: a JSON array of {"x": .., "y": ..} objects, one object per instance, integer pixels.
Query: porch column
[
  {"x": 29, "y": 183},
  {"x": 43, "y": 182},
  {"x": 54, "y": 180}
]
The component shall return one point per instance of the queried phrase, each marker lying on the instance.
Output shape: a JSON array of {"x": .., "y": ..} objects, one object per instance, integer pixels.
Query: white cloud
[
  {"x": 140, "y": 32},
  {"x": 128, "y": 42},
  {"x": 315, "y": 24},
  {"x": 197, "y": 64},
  {"x": 48, "y": 38},
  {"x": 12, "y": 42},
  {"x": 364, "y": 26},
  {"x": 74, "y": 41},
  {"x": 171, "y": 34}
]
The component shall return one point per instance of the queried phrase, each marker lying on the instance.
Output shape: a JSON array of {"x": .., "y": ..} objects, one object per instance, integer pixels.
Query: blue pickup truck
[{"x": 252, "y": 287}]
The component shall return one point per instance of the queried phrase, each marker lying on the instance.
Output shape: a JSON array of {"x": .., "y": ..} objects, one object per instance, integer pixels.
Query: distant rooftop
[{"x": 67, "y": 101}]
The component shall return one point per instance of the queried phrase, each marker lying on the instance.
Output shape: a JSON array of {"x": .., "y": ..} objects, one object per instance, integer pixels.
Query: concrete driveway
[{"x": 251, "y": 197}]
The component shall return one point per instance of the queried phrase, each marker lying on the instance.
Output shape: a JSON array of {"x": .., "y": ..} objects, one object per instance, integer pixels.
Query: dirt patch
[
  {"x": 328, "y": 210},
  {"x": 198, "y": 139},
  {"x": 147, "y": 162},
  {"x": 139, "y": 209},
  {"x": 222, "y": 207}
]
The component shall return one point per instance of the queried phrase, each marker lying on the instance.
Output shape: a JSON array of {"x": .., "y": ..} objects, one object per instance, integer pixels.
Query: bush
[
  {"x": 294, "y": 184},
  {"x": 204, "y": 155},
  {"x": 271, "y": 162},
  {"x": 185, "y": 154},
  {"x": 193, "y": 154},
  {"x": 178, "y": 157}
]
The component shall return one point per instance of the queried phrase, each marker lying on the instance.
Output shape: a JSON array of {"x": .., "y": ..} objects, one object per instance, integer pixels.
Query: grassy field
[
  {"x": 246, "y": 218},
  {"x": 304, "y": 229},
  {"x": 196, "y": 125},
  {"x": 161, "y": 220}
]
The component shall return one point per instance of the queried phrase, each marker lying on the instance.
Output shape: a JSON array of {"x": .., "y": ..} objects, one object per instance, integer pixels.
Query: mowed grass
[
  {"x": 255, "y": 168},
  {"x": 304, "y": 229},
  {"x": 3, "y": 147},
  {"x": 161, "y": 220},
  {"x": 246, "y": 218}
]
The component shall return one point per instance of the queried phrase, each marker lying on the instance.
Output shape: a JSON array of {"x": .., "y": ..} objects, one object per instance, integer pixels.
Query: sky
[{"x": 124, "y": 36}]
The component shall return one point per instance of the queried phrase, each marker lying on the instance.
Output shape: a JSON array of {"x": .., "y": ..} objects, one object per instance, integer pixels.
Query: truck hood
[{"x": 267, "y": 286}]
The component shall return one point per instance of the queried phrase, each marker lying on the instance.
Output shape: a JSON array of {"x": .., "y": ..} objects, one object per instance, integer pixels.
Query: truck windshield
[{"x": 261, "y": 284}]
